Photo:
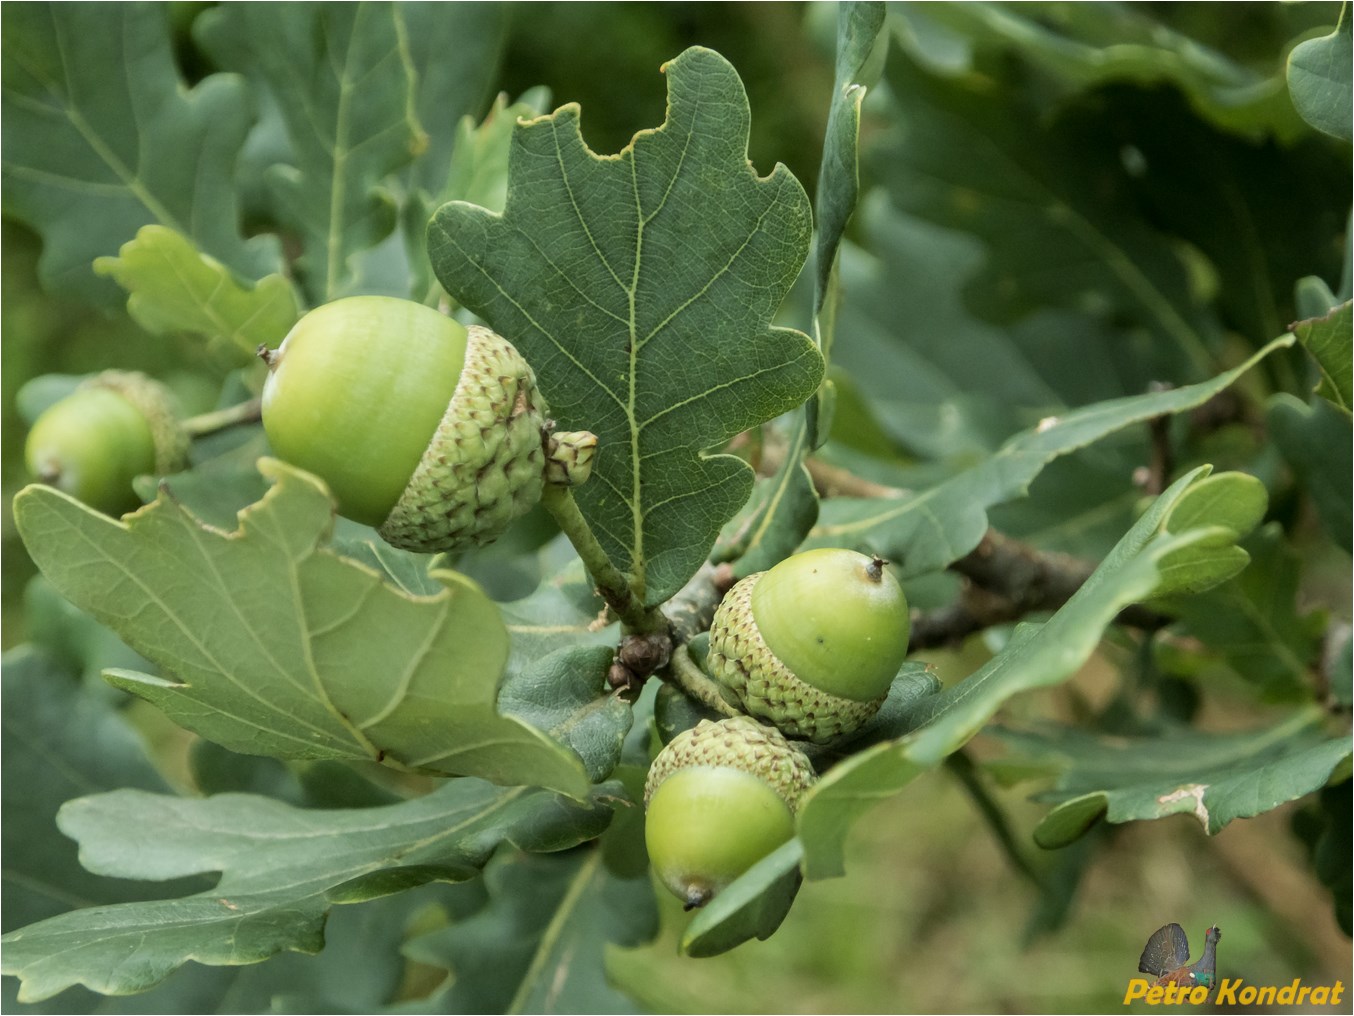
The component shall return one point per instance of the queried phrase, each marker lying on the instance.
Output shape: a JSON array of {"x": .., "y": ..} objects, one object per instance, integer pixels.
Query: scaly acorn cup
[
  {"x": 719, "y": 798},
  {"x": 114, "y": 427},
  {"x": 422, "y": 428},
  {"x": 813, "y": 644}
]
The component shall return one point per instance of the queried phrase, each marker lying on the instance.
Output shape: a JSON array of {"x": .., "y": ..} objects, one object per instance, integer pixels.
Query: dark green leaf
[
  {"x": 924, "y": 532},
  {"x": 537, "y": 945},
  {"x": 784, "y": 507},
  {"x": 1318, "y": 443},
  {"x": 782, "y": 510},
  {"x": 566, "y": 695},
  {"x": 345, "y": 84},
  {"x": 102, "y": 137},
  {"x": 59, "y": 742},
  {"x": 478, "y": 173},
  {"x": 281, "y": 870},
  {"x": 640, "y": 287},
  {"x": 1083, "y": 46},
  {"x": 1215, "y": 777},
  {"x": 981, "y": 160}
]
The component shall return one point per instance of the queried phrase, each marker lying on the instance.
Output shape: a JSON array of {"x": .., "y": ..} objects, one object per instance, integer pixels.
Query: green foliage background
[{"x": 1049, "y": 219}]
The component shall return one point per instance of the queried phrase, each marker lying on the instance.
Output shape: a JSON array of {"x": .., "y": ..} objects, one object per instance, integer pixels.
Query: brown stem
[{"x": 1005, "y": 581}]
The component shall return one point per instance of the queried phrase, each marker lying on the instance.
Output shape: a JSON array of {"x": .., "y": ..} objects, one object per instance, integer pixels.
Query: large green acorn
[
  {"x": 813, "y": 644},
  {"x": 719, "y": 798},
  {"x": 114, "y": 427},
  {"x": 427, "y": 430}
]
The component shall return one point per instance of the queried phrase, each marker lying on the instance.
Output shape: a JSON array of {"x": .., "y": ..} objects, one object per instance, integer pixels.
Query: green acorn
[
  {"x": 813, "y": 644},
  {"x": 114, "y": 427},
  {"x": 719, "y": 798},
  {"x": 422, "y": 428}
]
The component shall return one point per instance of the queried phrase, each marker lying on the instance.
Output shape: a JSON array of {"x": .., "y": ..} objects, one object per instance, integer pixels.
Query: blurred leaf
[
  {"x": 1236, "y": 501},
  {"x": 1253, "y": 623},
  {"x": 345, "y": 85},
  {"x": 477, "y": 173},
  {"x": 925, "y": 532},
  {"x": 1318, "y": 443},
  {"x": 330, "y": 662},
  {"x": 942, "y": 383},
  {"x": 175, "y": 288},
  {"x": 1325, "y": 828},
  {"x": 1037, "y": 655},
  {"x": 784, "y": 506},
  {"x": 282, "y": 869},
  {"x": 1215, "y": 777},
  {"x": 982, "y": 160},
  {"x": 537, "y": 945},
  {"x": 1228, "y": 198},
  {"x": 753, "y": 906},
  {"x": 44, "y": 391},
  {"x": 1081, "y": 46},
  {"x": 102, "y": 137},
  {"x": 640, "y": 287},
  {"x": 454, "y": 50},
  {"x": 1329, "y": 341},
  {"x": 1338, "y": 665},
  {"x": 59, "y": 742},
  {"x": 1320, "y": 81}
]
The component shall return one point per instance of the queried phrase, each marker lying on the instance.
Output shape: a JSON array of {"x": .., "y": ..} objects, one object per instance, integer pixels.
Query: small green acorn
[
  {"x": 114, "y": 427},
  {"x": 813, "y": 644},
  {"x": 719, "y": 798},
  {"x": 427, "y": 430}
]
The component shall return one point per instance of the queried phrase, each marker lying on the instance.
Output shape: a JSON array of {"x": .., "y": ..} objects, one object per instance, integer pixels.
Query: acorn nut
[
  {"x": 114, "y": 427},
  {"x": 813, "y": 644},
  {"x": 719, "y": 798},
  {"x": 425, "y": 429}
]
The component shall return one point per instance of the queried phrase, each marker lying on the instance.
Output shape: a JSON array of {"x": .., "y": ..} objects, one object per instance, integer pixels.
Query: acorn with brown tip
[
  {"x": 429, "y": 431},
  {"x": 719, "y": 798},
  {"x": 813, "y": 644}
]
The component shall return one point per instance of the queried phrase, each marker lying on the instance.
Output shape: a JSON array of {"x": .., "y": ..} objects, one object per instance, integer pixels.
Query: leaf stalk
[
  {"x": 611, "y": 583},
  {"x": 220, "y": 419}
]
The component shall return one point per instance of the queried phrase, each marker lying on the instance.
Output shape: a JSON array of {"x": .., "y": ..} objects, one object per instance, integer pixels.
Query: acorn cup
[
  {"x": 719, "y": 798},
  {"x": 813, "y": 644},
  {"x": 114, "y": 427},
  {"x": 429, "y": 431}
]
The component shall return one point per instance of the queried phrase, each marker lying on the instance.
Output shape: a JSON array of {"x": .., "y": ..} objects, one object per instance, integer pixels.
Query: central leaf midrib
[{"x": 639, "y": 565}]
